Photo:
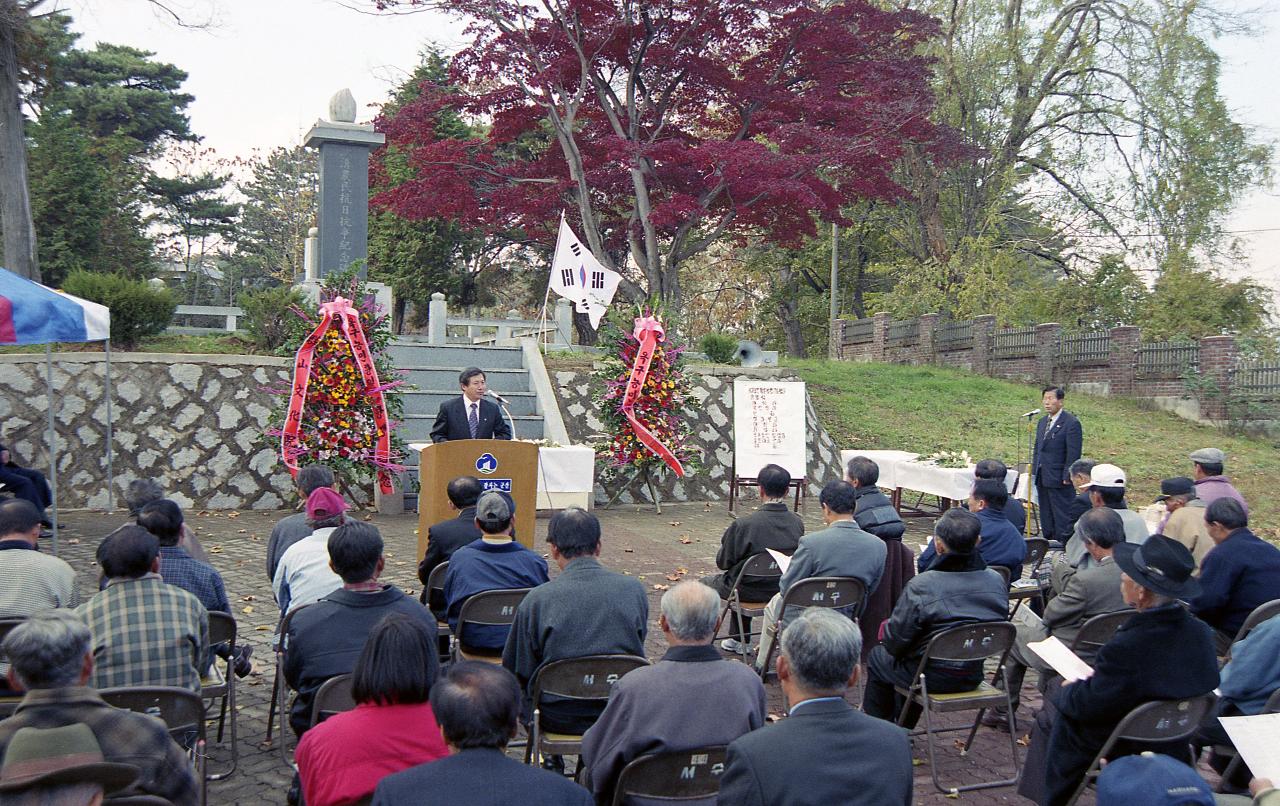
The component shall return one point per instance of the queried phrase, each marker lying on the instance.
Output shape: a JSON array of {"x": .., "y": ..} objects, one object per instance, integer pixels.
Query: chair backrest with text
[
  {"x": 496, "y": 608},
  {"x": 684, "y": 775}
]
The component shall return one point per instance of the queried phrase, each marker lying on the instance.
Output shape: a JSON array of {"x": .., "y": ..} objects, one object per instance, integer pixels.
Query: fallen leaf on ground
[
  {"x": 686, "y": 540},
  {"x": 675, "y": 523},
  {"x": 673, "y": 577},
  {"x": 629, "y": 551},
  {"x": 401, "y": 562},
  {"x": 233, "y": 514},
  {"x": 215, "y": 549},
  {"x": 242, "y": 531},
  {"x": 248, "y": 598},
  {"x": 246, "y": 610},
  {"x": 1025, "y": 740},
  {"x": 263, "y": 628},
  {"x": 74, "y": 541},
  {"x": 662, "y": 587}
]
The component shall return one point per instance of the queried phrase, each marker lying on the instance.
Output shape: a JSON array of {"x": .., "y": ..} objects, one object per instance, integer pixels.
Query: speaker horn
[{"x": 750, "y": 354}]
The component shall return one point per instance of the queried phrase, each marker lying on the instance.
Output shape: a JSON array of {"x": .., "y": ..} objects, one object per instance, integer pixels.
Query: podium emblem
[{"x": 486, "y": 463}]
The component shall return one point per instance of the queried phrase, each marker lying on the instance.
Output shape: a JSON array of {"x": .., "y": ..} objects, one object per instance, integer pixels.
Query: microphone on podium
[
  {"x": 503, "y": 400},
  {"x": 1031, "y": 413}
]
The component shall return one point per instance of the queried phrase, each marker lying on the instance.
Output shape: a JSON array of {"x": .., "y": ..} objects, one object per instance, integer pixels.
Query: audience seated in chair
[
  {"x": 1088, "y": 592},
  {"x": 772, "y": 526},
  {"x": 1106, "y": 489},
  {"x": 1082, "y": 478},
  {"x": 30, "y": 581},
  {"x": 326, "y": 639},
  {"x": 52, "y": 660},
  {"x": 824, "y": 752},
  {"x": 1207, "y": 466},
  {"x": 1001, "y": 543},
  {"x": 60, "y": 767},
  {"x": 875, "y": 513},
  {"x": 477, "y": 705},
  {"x": 586, "y": 610},
  {"x": 446, "y": 537},
  {"x": 392, "y": 728},
  {"x": 1184, "y": 517},
  {"x": 1152, "y": 778},
  {"x": 303, "y": 575},
  {"x": 494, "y": 562},
  {"x": 145, "y": 632},
  {"x": 1161, "y": 653},
  {"x": 293, "y": 528},
  {"x": 690, "y": 698},
  {"x": 1013, "y": 510},
  {"x": 1239, "y": 573},
  {"x": 141, "y": 492},
  {"x": 958, "y": 588},
  {"x": 1248, "y": 680},
  {"x": 26, "y": 484},
  {"x": 840, "y": 550}
]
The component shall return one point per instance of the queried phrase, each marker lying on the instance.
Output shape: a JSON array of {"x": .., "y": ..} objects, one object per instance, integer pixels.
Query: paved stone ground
[{"x": 657, "y": 549}]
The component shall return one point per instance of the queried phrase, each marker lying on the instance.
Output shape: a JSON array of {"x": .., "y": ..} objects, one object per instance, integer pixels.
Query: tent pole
[
  {"x": 111, "y": 490},
  {"x": 52, "y": 440}
]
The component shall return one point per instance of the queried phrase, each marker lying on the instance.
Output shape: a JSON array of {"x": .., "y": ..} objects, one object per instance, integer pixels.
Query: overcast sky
[{"x": 264, "y": 71}]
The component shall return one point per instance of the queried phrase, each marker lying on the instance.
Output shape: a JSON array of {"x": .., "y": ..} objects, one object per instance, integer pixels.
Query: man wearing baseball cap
[
  {"x": 1185, "y": 519},
  {"x": 494, "y": 562},
  {"x": 303, "y": 575},
  {"x": 1207, "y": 466},
  {"x": 1106, "y": 489},
  {"x": 1161, "y": 653}
]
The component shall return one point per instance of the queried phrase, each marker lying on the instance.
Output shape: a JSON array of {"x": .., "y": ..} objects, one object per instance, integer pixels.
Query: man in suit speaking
[
  {"x": 1058, "y": 444},
  {"x": 470, "y": 416}
]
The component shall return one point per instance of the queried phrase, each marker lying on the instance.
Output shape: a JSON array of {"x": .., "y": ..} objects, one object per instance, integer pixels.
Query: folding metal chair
[
  {"x": 1261, "y": 613},
  {"x": 758, "y": 567},
  {"x": 1097, "y": 631},
  {"x": 182, "y": 712},
  {"x": 833, "y": 592},
  {"x": 280, "y": 688},
  {"x": 968, "y": 642},
  {"x": 495, "y": 608},
  {"x": 672, "y": 777},
  {"x": 1037, "y": 549},
  {"x": 1152, "y": 722},
  {"x": 1272, "y": 706},
  {"x": 333, "y": 697},
  {"x": 435, "y": 582},
  {"x": 584, "y": 679},
  {"x": 221, "y": 684}
]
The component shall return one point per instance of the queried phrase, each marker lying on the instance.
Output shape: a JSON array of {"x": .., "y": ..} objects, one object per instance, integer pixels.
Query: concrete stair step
[
  {"x": 440, "y": 379},
  {"x": 406, "y": 353}
]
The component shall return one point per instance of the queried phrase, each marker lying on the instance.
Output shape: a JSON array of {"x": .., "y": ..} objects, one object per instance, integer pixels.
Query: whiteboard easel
[{"x": 769, "y": 427}]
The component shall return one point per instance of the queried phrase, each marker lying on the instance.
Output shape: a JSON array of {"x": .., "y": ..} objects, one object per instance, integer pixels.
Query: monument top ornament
[{"x": 342, "y": 107}]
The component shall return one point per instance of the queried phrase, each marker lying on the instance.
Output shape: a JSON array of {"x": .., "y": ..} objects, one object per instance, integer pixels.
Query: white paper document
[
  {"x": 1257, "y": 740},
  {"x": 783, "y": 561},
  {"x": 1061, "y": 659}
]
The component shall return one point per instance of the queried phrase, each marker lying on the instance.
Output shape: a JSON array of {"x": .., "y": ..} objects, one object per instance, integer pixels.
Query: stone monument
[{"x": 344, "y": 185}]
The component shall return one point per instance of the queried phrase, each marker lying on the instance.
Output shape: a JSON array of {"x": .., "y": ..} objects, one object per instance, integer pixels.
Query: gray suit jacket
[
  {"x": 841, "y": 550},
  {"x": 1087, "y": 593}
]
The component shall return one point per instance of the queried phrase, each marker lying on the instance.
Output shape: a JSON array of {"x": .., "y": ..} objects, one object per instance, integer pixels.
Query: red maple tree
[{"x": 665, "y": 125}]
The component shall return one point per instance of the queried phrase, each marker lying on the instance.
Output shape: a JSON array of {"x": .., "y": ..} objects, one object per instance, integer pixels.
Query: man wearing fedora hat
[
  {"x": 1161, "y": 653},
  {"x": 52, "y": 659},
  {"x": 61, "y": 766}
]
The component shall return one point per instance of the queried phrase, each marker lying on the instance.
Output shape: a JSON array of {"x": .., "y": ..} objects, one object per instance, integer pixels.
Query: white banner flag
[{"x": 577, "y": 276}]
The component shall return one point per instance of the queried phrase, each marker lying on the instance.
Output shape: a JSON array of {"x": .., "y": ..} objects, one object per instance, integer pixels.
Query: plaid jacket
[
  {"x": 177, "y": 567},
  {"x": 147, "y": 633},
  {"x": 125, "y": 738}
]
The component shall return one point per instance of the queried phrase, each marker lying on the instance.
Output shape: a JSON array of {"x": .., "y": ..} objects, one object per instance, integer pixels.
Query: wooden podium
[{"x": 499, "y": 464}]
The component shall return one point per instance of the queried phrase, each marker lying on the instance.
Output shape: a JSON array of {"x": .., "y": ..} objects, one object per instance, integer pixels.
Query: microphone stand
[{"x": 502, "y": 404}]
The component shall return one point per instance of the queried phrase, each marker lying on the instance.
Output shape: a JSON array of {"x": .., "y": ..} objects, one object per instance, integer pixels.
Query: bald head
[{"x": 689, "y": 612}]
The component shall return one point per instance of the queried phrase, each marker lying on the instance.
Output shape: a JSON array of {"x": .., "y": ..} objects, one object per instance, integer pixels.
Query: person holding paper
[
  {"x": 1161, "y": 653},
  {"x": 772, "y": 526},
  {"x": 840, "y": 550},
  {"x": 1249, "y": 678},
  {"x": 957, "y": 589}
]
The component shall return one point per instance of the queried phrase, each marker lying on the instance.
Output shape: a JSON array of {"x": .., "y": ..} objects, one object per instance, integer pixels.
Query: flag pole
[{"x": 546, "y": 295}]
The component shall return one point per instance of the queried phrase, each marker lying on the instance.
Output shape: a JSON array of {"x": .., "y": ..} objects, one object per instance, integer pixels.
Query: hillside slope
[{"x": 926, "y": 409}]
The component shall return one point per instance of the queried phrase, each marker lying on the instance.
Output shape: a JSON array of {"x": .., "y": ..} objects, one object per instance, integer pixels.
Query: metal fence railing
[
  {"x": 949, "y": 336},
  {"x": 1167, "y": 359},
  {"x": 859, "y": 331},
  {"x": 1085, "y": 348},
  {"x": 904, "y": 333},
  {"x": 1257, "y": 378},
  {"x": 1014, "y": 343}
]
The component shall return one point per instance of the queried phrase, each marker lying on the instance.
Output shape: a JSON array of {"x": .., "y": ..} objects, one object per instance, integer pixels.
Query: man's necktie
[{"x": 474, "y": 419}]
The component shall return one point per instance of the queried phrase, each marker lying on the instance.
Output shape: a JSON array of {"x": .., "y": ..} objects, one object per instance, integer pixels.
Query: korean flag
[{"x": 577, "y": 276}]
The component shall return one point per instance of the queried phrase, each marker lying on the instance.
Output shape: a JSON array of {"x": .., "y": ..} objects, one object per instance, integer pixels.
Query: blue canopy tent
[{"x": 34, "y": 314}]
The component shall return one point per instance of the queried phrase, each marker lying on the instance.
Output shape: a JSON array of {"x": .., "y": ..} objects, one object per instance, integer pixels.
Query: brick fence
[{"x": 1197, "y": 379}]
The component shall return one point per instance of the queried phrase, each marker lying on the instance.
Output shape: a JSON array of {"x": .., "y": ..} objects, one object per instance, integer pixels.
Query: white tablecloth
[{"x": 902, "y": 469}]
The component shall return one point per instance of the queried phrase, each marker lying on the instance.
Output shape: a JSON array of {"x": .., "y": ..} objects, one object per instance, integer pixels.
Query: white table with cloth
[
  {"x": 566, "y": 475},
  {"x": 902, "y": 470}
]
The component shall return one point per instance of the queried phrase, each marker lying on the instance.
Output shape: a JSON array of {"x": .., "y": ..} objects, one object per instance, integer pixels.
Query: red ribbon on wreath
[
  {"x": 347, "y": 318},
  {"x": 648, "y": 332}
]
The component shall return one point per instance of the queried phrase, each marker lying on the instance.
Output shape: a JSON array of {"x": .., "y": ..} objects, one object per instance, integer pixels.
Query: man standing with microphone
[
  {"x": 470, "y": 416},
  {"x": 1059, "y": 440}
]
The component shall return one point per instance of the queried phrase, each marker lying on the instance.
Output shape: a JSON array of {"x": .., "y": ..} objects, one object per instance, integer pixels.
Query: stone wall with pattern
[
  {"x": 190, "y": 422},
  {"x": 712, "y": 419}
]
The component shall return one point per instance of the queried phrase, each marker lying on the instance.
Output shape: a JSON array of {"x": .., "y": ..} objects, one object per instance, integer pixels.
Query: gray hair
[
  {"x": 48, "y": 649},
  {"x": 822, "y": 647},
  {"x": 141, "y": 492},
  {"x": 313, "y": 477},
  {"x": 692, "y": 609}
]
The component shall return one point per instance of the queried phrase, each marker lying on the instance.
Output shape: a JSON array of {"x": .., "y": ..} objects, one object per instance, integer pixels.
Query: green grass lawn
[
  {"x": 926, "y": 409},
  {"x": 188, "y": 344}
]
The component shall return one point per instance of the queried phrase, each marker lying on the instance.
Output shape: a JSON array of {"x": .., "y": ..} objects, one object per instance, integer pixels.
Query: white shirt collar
[{"x": 467, "y": 402}]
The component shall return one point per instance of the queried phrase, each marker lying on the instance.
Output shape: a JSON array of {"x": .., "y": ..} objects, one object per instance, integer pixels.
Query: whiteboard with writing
[{"x": 769, "y": 426}]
